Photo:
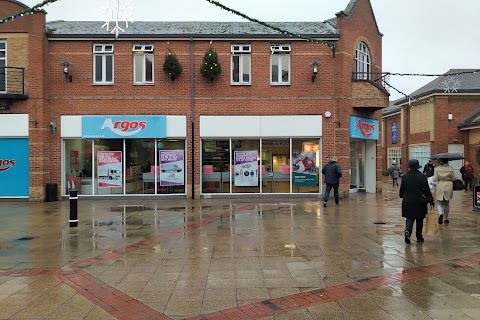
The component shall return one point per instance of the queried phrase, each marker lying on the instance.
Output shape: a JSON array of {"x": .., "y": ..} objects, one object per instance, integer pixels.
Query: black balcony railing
[
  {"x": 378, "y": 79},
  {"x": 12, "y": 81}
]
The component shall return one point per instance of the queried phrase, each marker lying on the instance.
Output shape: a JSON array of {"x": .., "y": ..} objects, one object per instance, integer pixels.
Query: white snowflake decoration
[
  {"x": 121, "y": 11},
  {"x": 451, "y": 84}
]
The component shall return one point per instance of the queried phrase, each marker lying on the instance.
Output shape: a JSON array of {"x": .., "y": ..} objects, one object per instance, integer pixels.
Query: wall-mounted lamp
[
  {"x": 450, "y": 116},
  {"x": 328, "y": 114},
  {"x": 66, "y": 71},
  {"x": 53, "y": 125},
  {"x": 315, "y": 70}
]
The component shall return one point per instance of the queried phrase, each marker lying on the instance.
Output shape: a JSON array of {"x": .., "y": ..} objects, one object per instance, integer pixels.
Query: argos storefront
[
  {"x": 124, "y": 155},
  {"x": 363, "y": 145},
  {"x": 14, "y": 160}
]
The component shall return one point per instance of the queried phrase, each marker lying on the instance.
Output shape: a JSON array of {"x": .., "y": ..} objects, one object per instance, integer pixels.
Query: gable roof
[
  {"x": 391, "y": 109},
  {"x": 349, "y": 9},
  {"x": 472, "y": 120},
  {"x": 180, "y": 29},
  {"x": 469, "y": 81}
]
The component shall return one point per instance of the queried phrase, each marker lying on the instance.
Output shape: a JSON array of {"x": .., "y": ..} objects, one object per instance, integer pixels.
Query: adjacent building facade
[
  {"x": 82, "y": 109},
  {"x": 442, "y": 116}
]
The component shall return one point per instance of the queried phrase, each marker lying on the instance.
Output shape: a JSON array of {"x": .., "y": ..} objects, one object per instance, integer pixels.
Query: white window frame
[
  {"x": 4, "y": 87},
  {"x": 421, "y": 152},
  {"x": 146, "y": 50},
  {"x": 103, "y": 51},
  {"x": 394, "y": 154},
  {"x": 363, "y": 62},
  {"x": 243, "y": 52},
  {"x": 275, "y": 51}
]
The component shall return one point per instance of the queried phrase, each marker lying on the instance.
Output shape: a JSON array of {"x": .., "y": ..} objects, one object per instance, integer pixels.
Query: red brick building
[
  {"x": 98, "y": 112},
  {"x": 442, "y": 116}
]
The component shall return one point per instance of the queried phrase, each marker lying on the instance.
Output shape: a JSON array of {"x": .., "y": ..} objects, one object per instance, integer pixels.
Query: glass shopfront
[
  {"x": 124, "y": 166},
  {"x": 123, "y": 155},
  {"x": 260, "y": 166}
]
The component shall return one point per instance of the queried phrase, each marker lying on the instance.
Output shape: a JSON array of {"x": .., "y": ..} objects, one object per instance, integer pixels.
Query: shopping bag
[
  {"x": 431, "y": 223},
  {"x": 432, "y": 184}
]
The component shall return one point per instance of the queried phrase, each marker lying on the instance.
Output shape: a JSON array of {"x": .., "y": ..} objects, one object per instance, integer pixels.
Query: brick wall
[{"x": 51, "y": 95}]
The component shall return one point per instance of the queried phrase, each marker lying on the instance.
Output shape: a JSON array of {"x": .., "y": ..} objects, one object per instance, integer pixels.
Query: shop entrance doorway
[{"x": 357, "y": 166}]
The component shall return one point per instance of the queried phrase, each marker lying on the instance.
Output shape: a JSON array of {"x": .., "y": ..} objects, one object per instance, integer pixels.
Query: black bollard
[{"x": 73, "y": 208}]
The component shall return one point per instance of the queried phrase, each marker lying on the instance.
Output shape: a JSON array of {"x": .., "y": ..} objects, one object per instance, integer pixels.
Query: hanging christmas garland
[
  {"x": 28, "y": 11},
  {"x": 210, "y": 68},
  {"x": 171, "y": 66}
]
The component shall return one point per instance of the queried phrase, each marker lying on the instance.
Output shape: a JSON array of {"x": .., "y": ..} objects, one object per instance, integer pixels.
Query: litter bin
[{"x": 51, "y": 192}]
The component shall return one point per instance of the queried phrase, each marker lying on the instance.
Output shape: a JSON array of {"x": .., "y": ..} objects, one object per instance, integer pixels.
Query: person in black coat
[
  {"x": 332, "y": 173},
  {"x": 414, "y": 207}
]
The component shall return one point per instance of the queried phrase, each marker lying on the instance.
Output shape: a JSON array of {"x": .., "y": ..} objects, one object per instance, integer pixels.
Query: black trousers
[
  {"x": 468, "y": 182},
  {"x": 419, "y": 225}
]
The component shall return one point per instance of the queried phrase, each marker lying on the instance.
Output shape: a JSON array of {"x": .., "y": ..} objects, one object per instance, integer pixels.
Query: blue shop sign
[
  {"x": 394, "y": 132},
  {"x": 14, "y": 168},
  {"x": 363, "y": 128},
  {"x": 121, "y": 127}
]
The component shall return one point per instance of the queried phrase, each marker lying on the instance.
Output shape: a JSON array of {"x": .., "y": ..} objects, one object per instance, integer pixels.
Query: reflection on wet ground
[{"x": 230, "y": 259}]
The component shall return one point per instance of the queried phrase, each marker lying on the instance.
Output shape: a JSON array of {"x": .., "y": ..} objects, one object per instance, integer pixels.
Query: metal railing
[
  {"x": 12, "y": 81},
  {"x": 378, "y": 79}
]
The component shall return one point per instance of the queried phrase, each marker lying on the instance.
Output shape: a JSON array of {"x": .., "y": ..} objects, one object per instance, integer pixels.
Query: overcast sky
[{"x": 420, "y": 36}]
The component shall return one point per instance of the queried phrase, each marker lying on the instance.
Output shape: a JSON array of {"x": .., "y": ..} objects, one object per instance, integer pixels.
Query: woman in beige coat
[{"x": 444, "y": 177}]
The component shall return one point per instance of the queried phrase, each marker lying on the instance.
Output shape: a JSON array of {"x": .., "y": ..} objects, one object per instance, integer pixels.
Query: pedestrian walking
[
  {"x": 444, "y": 177},
  {"x": 429, "y": 168},
  {"x": 394, "y": 172},
  {"x": 332, "y": 173},
  {"x": 467, "y": 175},
  {"x": 416, "y": 195}
]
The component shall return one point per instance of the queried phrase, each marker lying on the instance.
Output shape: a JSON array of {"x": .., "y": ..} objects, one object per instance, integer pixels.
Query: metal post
[{"x": 73, "y": 208}]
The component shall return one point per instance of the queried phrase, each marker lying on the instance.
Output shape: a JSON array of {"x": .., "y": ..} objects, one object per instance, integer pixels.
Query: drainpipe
[{"x": 192, "y": 98}]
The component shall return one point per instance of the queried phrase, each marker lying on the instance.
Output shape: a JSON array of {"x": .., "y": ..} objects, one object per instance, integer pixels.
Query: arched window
[{"x": 363, "y": 66}]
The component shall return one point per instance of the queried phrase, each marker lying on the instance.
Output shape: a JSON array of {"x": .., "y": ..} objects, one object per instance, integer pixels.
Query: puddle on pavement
[{"x": 129, "y": 209}]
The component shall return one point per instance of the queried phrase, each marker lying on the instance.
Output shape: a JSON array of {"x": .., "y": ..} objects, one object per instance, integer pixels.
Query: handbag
[
  {"x": 431, "y": 224},
  {"x": 458, "y": 185},
  {"x": 426, "y": 199}
]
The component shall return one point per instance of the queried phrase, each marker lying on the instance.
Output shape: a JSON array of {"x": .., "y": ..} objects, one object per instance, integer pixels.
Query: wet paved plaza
[{"x": 236, "y": 259}]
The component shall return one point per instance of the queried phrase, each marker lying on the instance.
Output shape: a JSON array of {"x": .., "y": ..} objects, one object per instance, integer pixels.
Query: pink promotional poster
[
  {"x": 109, "y": 169},
  {"x": 172, "y": 168}
]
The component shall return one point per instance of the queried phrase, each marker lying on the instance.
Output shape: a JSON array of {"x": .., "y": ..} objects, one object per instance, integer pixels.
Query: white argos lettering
[{"x": 122, "y": 128}]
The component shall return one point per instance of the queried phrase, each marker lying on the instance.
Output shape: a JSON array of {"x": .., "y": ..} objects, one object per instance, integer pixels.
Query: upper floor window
[
  {"x": 363, "y": 67},
  {"x": 142, "y": 63},
  {"x": 241, "y": 63},
  {"x": 280, "y": 64},
  {"x": 103, "y": 63}
]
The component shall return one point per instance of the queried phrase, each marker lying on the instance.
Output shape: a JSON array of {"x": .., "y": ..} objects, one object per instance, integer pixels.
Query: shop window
[
  {"x": 78, "y": 166},
  {"x": 246, "y": 164},
  {"x": 143, "y": 64},
  {"x": 171, "y": 166},
  {"x": 109, "y": 168},
  {"x": 394, "y": 154},
  {"x": 216, "y": 166},
  {"x": 421, "y": 153},
  {"x": 280, "y": 64},
  {"x": 305, "y": 166},
  {"x": 363, "y": 66},
  {"x": 241, "y": 64},
  {"x": 275, "y": 167},
  {"x": 103, "y": 63}
]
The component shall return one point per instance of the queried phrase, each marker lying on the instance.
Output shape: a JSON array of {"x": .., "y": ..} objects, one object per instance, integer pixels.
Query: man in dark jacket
[
  {"x": 467, "y": 175},
  {"x": 429, "y": 168},
  {"x": 416, "y": 195},
  {"x": 332, "y": 174}
]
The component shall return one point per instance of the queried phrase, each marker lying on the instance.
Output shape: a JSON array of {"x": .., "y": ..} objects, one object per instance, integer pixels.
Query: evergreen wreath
[
  {"x": 210, "y": 68},
  {"x": 171, "y": 66}
]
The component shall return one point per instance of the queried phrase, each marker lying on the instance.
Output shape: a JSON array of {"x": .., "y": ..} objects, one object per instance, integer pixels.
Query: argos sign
[
  {"x": 363, "y": 128},
  {"x": 124, "y": 127},
  {"x": 6, "y": 164}
]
